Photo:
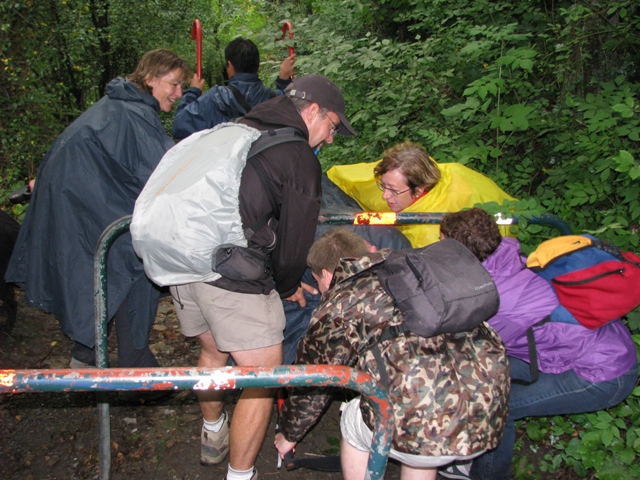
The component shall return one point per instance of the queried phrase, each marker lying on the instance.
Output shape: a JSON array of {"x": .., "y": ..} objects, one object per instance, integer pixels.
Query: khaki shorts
[
  {"x": 356, "y": 432},
  {"x": 237, "y": 321}
]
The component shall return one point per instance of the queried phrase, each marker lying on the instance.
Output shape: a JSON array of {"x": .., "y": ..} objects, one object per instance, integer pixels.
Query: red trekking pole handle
[
  {"x": 196, "y": 34},
  {"x": 288, "y": 27}
]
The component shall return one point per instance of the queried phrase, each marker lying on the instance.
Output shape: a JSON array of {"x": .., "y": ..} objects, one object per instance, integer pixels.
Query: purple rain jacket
[{"x": 525, "y": 298}]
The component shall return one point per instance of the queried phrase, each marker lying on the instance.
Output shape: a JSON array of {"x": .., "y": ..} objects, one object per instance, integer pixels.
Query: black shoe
[{"x": 144, "y": 397}]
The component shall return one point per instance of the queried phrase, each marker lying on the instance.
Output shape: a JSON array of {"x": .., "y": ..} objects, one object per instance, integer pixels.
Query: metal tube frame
[
  {"x": 102, "y": 379},
  {"x": 153, "y": 379}
]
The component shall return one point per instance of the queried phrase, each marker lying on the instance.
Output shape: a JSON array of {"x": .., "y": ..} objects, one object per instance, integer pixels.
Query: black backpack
[{"x": 441, "y": 288}]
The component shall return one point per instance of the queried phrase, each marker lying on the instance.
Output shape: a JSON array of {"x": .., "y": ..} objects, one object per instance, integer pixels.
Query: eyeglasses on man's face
[
  {"x": 334, "y": 126},
  {"x": 393, "y": 192}
]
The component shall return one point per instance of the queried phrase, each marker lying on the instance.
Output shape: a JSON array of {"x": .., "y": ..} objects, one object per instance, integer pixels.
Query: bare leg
[
  {"x": 211, "y": 401},
  {"x": 354, "y": 466},
  {"x": 413, "y": 473},
  {"x": 253, "y": 410},
  {"x": 354, "y": 461}
]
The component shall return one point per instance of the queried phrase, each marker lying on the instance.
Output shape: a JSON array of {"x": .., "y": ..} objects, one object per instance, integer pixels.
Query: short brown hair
[
  {"x": 157, "y": 63},
  {"x": 420, "y": 170},
  {"x": 331, "y": 246},
  {"x": 475, "y": 229}
]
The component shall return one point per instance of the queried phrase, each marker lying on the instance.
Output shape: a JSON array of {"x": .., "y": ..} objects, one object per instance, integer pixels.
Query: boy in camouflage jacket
[{"x": 449, "y": 392}]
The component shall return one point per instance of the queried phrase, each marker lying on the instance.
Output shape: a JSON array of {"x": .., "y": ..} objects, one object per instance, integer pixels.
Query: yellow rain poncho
[{"x": 459, "y": 187}]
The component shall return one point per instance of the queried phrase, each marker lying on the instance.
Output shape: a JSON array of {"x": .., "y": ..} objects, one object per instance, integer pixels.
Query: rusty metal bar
[
  {"x": 141, "y": 379},
  {"x": 429, "y": 218}
]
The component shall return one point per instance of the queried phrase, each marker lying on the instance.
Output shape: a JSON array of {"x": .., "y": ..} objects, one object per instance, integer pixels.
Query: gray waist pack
[
  {"x": 441, "y": 288},
  {"x": 240, "y": 263}
]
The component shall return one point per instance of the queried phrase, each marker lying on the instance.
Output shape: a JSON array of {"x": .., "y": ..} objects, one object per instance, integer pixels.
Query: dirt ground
[{"x": 55, "y": 435}]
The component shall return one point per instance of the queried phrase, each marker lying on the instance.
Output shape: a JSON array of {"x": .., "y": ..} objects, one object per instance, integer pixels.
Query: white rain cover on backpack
[{"x": 190, "y": 205}]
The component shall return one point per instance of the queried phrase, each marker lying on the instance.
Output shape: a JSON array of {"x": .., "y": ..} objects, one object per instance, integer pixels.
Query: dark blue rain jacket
[
  {"x": 198, "y": 112},
  {"x": 89, "y": 178}
]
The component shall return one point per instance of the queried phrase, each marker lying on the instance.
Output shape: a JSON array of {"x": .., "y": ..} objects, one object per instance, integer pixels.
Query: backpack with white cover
[{"x": 190, "y": 204}]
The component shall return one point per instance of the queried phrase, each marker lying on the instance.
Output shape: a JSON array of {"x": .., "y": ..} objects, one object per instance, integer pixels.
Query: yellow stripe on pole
[{"x": 375, "y": 218}]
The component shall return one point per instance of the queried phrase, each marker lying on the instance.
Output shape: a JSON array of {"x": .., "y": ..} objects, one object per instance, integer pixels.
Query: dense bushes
[{"x": 543, "y": 97}]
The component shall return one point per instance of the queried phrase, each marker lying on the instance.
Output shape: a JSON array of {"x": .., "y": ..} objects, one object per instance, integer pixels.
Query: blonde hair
[{"x": 157, "y": 63}]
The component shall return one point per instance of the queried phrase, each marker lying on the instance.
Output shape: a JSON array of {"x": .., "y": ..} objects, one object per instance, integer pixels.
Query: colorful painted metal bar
[
  {"x": 430, "y": 218},
  {"x": 153, "y": 379}
]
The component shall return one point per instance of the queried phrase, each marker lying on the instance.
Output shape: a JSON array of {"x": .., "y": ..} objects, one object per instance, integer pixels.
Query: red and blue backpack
[{"x": 595, "y": 282}]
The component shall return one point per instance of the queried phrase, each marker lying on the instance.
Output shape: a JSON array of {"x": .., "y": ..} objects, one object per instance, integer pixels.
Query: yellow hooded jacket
[{"x": 459, "y": 187}]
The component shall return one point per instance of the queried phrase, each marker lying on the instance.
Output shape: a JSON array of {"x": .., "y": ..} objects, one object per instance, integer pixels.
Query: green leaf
[
  {"x": 454, "y": 110},
  {"x": 526, "y": 64},
  {"x": 535, "y": 432}
]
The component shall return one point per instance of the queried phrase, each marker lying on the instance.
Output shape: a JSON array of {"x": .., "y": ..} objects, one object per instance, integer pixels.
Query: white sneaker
[{"x": 457, "y": 471}]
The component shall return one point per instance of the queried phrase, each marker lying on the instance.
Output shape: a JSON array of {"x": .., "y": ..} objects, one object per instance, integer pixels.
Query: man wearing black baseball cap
[
  {"x": 245, "y": 319},
  {"x": 319, "y": 89}
]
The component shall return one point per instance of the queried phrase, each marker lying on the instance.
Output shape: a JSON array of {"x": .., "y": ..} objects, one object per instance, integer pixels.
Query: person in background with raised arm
[{"x": 198, "y": 111}]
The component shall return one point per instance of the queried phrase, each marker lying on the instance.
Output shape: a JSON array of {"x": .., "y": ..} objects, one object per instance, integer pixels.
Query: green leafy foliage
[{"x": 542, "y": 97}]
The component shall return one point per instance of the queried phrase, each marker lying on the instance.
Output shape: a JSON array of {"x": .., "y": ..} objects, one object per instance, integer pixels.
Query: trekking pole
[
  {"x": 196, "y": 34},
  {"x": 288, "y": 27}
]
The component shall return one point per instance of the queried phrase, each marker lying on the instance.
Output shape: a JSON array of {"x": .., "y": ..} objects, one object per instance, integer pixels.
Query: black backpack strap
[
  {"x": 389, "y": 332},
  {"x": 268, "y": 139},
  {"x": 271, "y": 138},
  {"x": 239, "y": 98},
  {"x": 533, "y": 353},
  {"x": 273, "y": 201},
  {"x": 609, "y": 248}
]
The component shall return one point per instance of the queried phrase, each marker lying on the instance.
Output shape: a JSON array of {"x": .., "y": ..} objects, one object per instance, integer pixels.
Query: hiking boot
[
  {"x": 457, "y": 471},
  {"x": 253, "y": 477},
  {"x": 215, "y": 446},
  {"x": 76, "y": 364}
]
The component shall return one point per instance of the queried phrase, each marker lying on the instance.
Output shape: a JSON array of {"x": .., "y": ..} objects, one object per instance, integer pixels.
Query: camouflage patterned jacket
[{"x": 449, "y": 392}]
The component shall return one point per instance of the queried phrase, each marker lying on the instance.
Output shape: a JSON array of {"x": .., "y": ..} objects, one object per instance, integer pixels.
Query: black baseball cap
[{"x": 319, "y": 89}]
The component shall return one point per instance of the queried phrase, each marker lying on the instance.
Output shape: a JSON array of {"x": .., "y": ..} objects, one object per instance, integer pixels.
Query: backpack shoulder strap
[
  {"x": 267, "y": 139},
  {"x": 271, "y": 138},
  {"x": 533, "y": 353},
  {"x": 239, "y": 98}
]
